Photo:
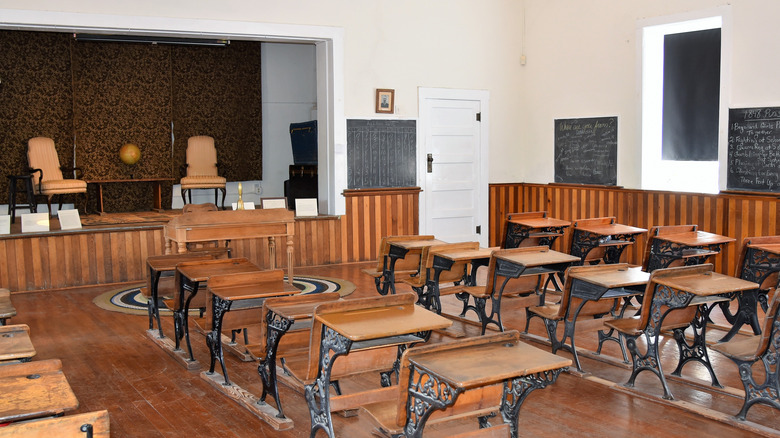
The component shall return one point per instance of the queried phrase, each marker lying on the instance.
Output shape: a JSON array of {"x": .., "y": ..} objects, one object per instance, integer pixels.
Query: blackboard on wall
[
  {"x": 754, "y": 149},
  {"x": 381, "y": 153},
  {"x": 586, "y": 151}
]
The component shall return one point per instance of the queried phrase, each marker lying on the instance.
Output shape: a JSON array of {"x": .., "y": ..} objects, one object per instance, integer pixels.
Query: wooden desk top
[
  {"x": 695, "y": 238},
  {"x": 381, "y": 322},
  {"x": 540, "y": 222},
  {"x": 416, "y": 244},
  {"x": 485, "y": 364},
  {"x": 611, "y": 229},
  {"x": 45, "y": 395},
  {"x": 202, "y": 270},
  {"x": 168, "y": 262},
  {"x": 772, "y": 248},
  {"x": 542, "y": 256},
  {"x": 15, "y": 342},
  {"x": 256, "y": 290},
  {"x": 467, "y": 254},
  {"x": 612, "y": 276},
  {"x": 707, "y": 283}
]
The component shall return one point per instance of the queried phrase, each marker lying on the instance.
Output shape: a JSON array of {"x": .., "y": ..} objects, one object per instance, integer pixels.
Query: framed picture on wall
[{"x": 385, "y": 100}]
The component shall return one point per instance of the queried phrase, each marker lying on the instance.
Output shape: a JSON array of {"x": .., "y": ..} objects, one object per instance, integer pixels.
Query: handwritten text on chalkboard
[
  {"x": 754, "y": 149},
  {"x": 586, "y": 150}
]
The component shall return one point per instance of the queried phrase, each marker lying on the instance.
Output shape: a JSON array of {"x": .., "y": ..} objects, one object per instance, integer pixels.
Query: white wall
[
  {"x": 582, "y": 58},
  {"x": 289, "y": 90}
]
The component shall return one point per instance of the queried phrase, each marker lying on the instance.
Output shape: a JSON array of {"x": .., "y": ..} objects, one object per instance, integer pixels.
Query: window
[{"x": 681, "y": 105}]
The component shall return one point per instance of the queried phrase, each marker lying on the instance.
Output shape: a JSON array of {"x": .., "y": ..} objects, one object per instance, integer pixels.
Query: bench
[
  {"x": 599, "y": 304},
  {"x": 366, "y": 335},
  {"x": 746, "y": 351},
  {"x": 423, "y": 283},
  {"x": 7, "y": 309},
  {"x": 665, "y": 308},
  {"x": 404, "y": 268},
  {"x": 284, "y": 332},
  {"x": 466, "y": 378},
  {"x": 15, "y": 344},
  {"x": 87, "y": 425}
]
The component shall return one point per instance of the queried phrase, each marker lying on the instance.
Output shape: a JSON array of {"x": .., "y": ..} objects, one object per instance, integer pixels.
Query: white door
[{"x": 452, "y": 164}]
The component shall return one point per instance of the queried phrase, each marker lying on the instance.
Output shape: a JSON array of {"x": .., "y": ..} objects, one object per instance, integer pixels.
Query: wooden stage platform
[{"x": 112, "y": 248}]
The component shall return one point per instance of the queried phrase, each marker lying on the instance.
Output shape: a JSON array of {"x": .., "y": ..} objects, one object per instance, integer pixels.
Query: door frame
[{"x": 483, "y": 96}]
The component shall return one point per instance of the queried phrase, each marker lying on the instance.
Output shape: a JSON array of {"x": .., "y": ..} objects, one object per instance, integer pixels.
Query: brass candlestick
[{"x": 240, "y": 203}]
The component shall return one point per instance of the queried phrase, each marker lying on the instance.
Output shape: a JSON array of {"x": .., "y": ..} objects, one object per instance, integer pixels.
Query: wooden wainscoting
[
  {"x": 118, "y": 254},
  {"x": 730, "y": 214}
]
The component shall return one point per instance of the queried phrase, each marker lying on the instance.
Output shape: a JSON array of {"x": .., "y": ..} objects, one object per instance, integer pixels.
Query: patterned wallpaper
[{"x": 109, "y": 94}]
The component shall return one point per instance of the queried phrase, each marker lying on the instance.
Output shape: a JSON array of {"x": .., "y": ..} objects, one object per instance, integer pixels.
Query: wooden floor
[{"x": 111, "y": 364}]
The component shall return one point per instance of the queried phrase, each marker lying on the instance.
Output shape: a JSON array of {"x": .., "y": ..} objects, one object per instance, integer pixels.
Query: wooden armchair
[
  {"x": 48, "y": 179},
  {"x": 747, "y": 351},
  {"x": 201, "y": 169}
]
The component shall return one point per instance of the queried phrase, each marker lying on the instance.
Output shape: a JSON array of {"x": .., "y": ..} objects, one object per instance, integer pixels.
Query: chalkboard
[
  {"x": 754, "y": 149},
  {"x": 586, "y": 151},
  {"x": 381, "y": 153}
]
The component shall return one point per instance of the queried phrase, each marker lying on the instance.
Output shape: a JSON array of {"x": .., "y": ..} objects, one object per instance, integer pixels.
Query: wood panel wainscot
[{"x": 736, "y": 215}]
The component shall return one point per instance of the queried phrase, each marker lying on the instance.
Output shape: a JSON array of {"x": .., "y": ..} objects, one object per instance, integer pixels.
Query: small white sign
[
  {"x": 248, "y": 205},
  {"x": 69, "y": 219},
  {"x": 306, "y": 207},
  {"x": 35, "y": 222},
  {"x": 274, "y": 203},
  {"x": 5, "y": 224}
]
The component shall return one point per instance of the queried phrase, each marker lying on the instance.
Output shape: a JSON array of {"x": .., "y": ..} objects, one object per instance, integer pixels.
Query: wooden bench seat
[
  {"x": 15, "y": 343},
  {"x": 405, "y": 268},
  {"x": 764, "y": 386},
  {"x": 90, "y": 424},
  {"x": 483, "y": 365},
  {"x": 7, "y": 309}
]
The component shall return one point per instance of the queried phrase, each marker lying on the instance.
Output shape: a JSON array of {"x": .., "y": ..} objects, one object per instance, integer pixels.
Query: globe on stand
[{"x": 129, "y": 154}]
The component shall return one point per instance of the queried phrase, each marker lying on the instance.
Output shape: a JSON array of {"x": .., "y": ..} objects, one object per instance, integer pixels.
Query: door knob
[{"x": 430, "y": 163}]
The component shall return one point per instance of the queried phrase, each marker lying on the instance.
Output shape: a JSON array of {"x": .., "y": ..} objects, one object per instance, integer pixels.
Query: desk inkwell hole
[
  {"x": 8, "y": 335},
  {"x": 34, "y": 376},
  {"x": 508, "y": 344}
]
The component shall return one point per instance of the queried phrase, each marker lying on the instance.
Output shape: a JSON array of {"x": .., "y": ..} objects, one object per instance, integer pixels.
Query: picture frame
[{"x": 385, "y": 101}]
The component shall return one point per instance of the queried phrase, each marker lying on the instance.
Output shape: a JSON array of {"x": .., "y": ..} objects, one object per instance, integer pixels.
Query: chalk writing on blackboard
[
  {"x": 381, "y": 153},
  {"x": 754, "y": 149},
  {"x": 586, "y": 150}
]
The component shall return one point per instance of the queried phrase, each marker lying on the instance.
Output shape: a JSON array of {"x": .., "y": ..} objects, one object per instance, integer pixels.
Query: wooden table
[
  {"x": 589, "y": 234},
  {"x": 33, "y": 390},
  {"x": 443, "y": 261},
  {"x": 536, "y": 226},
  {"x": 605, "y": 283},
  {"x": 364, "y": 328},
  {"x": 398, "y": 250},
  {"x": 693, "y": 247},
  {"x": 204, "y": 226},
  {"x": 438, "y": 377},
  {"x": 156, "y": 266},
  {"x": 701, "y": 288},
  {"x": 760, "y": 261},
  {"x": 188, "y": 278},
  {"x": 156, "y": 189}
]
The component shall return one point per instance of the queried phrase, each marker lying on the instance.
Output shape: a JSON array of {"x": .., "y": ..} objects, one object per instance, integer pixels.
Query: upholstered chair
[
  {"x": 201, "y": 171},
  {"x": 48, "y": 179}
]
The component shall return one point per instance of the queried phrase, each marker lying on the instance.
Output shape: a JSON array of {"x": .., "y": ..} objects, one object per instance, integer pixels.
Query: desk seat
[
  {"x": 7, "y": 310},
  {"x": 90, "y": 424},
  {"x": 33, "y": 390}
]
